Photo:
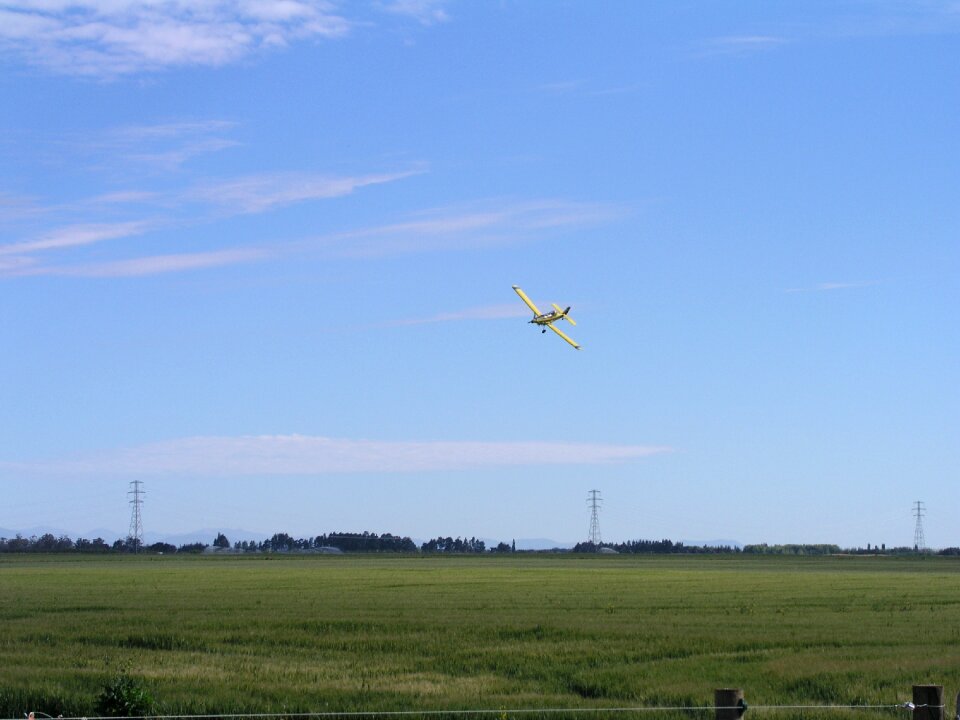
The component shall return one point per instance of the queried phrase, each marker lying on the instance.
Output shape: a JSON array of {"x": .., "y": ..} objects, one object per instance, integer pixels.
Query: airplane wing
[
  {"x": 563, "y": 335},
  {"x": 528, "y": 301}
]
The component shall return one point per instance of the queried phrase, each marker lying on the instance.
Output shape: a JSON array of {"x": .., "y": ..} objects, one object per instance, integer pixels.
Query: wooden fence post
[
  {"x": 928, "y": 702},
  {"x": 728, "y": 703}
]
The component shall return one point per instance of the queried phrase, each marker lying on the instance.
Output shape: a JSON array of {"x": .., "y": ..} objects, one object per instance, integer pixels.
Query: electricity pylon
[
  {"x": 918, "y": 513},
  {"x": 135, "y": 536},
  {"x": 595, "y": 501}
]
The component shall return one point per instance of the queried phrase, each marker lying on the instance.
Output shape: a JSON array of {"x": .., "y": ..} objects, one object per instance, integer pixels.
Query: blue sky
[{"x": 259, "y": 255}]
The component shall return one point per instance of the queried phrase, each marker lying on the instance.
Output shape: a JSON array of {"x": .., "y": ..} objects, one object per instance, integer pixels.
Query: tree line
[
  {"x": 653, "y": 547},
  {"x": 279, "y": 542},
  {"x": 344, "y": 541},
  {"x": 365, "y": 542},
  {"x": 828, "y": 549},
  {"x": 49, "y": 543},
  {"x": 368, "y": 542}
]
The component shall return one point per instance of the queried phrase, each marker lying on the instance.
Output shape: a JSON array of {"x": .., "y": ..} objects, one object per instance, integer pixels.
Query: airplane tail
[{"x": 564, "y": 313}]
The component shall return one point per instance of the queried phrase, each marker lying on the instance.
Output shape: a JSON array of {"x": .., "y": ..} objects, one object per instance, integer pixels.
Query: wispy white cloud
[
  {"x": 108, "y": 38},
  {"x": 14, "y": 208},
  {"x": 248, "y": 194},
  {"x": 425, "y": 12},
  {"x": 863, "y": 20},
  {"x": 487, "y": 224},
  {"x": 150, "y": 265},
  {"x": 126, "y": 213},
  {"x": 828, "y": 286},
  {"x": 447, "y": 229},
  {"x": 15, "y": 265},
  {"x": 264, "y": 192},
  {"x": 168, "y": 130},
  {"x": 76, "y": 235},
  {"x": 126, "y": 153},
  {"x": 275, "y": 455},
  {"x": 124, "y": 197},
  {"x": 174, "y": 158},
  {"x": 160, "y": 147}
]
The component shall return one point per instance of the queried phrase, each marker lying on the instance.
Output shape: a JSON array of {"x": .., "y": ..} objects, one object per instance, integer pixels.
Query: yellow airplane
[{"x": 547, "y": 319}]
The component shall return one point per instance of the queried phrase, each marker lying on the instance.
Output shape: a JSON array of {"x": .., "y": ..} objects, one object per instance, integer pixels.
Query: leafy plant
[{"x": 124, "y": 696}]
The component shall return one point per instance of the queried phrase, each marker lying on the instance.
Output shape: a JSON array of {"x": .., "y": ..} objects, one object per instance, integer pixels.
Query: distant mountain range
[
  {"x": 536, "y": 544},
  {"x": 712, "y": 543},
  {"x": 43, "y": 530}
]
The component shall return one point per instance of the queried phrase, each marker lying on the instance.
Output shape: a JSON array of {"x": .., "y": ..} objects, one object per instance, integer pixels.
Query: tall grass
[{"x": 297, "y": 634}]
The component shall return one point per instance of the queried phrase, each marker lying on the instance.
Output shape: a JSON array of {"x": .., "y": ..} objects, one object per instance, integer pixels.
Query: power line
[
  {"x": 595, "y": 501},
  {"x": 135, "y": 536}
]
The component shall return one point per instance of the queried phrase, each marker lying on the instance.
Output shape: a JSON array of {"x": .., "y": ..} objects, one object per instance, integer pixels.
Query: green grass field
[{"x": 321, "y": 633}]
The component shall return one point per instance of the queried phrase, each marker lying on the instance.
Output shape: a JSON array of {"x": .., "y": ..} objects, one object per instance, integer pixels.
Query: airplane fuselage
[{"x": 546, "y": 318}]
